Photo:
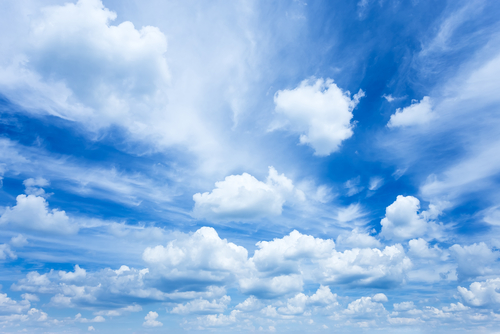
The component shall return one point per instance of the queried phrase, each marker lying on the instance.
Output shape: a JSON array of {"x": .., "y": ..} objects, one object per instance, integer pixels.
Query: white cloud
[
  {"x": 6, "y": 252},
  {"x": 380, "y": 297},
  {"x": 98, "y": 318},
  {"x": 357, "y": 239},
  {"x": 365, "y": 267},
  {"x": 416, "y": 114},
  {"x": 364, "y": 307},
  {"x": 403, "y": 220},
  {"x": 91, "y": 329},
  {"x": 271, "y": 286},
  {"x": 404, "y": 306},
  {"x": 203, "y": 256},
  {"x": 19, "y": 241},
  {"x": 320, "y": 111},
  {"x": 475, "y": 260},
  {"x": 375, "y": 183},
  {"x": 202, "y": 306},
  {"x": 79, "y": 273},
  {"x": 420, "y": 248},
  {"x": 32, "y": 212},
  {"x": 282, "y": 255},
  {"x": 249, "y": 304},
  {"x": 8, "y": 305},
  {"x": 482, "y": 293},
  {"x": 151, "y": 320},
  {"x": 244, "y": 197},
  {"x": 34, "y": 186},
  {"x": 353, "y": 186}
]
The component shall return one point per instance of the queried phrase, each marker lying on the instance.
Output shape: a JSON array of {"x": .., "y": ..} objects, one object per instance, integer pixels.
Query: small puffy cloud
[
  {"x": 202, "y": 306},
  {"x": 241, "y": 197},
  {"x": 248, "y": 305},
  {"x": 475, "y": 260},
  {"x": 98, "y": 318},
  {"x": 91, "y": 329},
  {"x": 320, "y": 112},
  {"x": 364, "y": 307},
  {"x": 482, "y": 293},
  {"x": 151, "y": 320},
  {"x": 79, "y": 273},
  {"x": 416, "y": 114},
  {"x": 31, "y": 212},
  {"x": 402, "y": 219},
  {"x": 34, "y": 186},
  {"x": 380, "y": 297},
  {"x": 202, "y": 256}
]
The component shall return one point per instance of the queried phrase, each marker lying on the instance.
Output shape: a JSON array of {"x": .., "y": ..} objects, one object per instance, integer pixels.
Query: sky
[{"x": 249, "y": 166}]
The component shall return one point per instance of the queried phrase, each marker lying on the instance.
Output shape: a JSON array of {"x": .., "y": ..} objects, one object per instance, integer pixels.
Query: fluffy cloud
[
  {"x": 420, "y": 248},
  {"x": 403, "y": 221},
  {"x": 297, "y": 304},
  {"x": 151, "y": 320},
  {"x": 358, "y": 239},
  {"x": 364, "y": 307},
  {"x": 6, "y": 252},
  {"x": 482, "y": 293},
  {"x": 320, "y": 111},
  {"x": 475, "y": 260},
  {"x": 203, "y": 257},
  {"x": 416, "y": 114},
  {"x": 366, "y": 267},
  {"x": 34, "y": 186},
  {"x": 31, "y": 212},
  {"x": 241, "y": 197},
  {"x": 8, "y": 306}
]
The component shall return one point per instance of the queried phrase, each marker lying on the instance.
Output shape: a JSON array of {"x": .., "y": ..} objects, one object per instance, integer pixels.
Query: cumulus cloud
[
  {"x": 320, "y": 111},
  {"x": 358, "y": 239},
  {"x": 420, "y": 248},
  {"x": 7, "y": 252},
  {"x": 297, "y": 304},
  {"x": 202, "y": 256},
  {"x": 151, "y": 320},
  {"x": 364, "y": 307},
  {"x": 31, "y": 212},
  {"x": 8, "y": 305},
  {"x": 417, "y": 114},
  {"x": 241, "y": 197},
  {"x": 482, "y": 293},
  {"x": 366, "y": 267},
  {"x": 403, "y": 220},
  {"x": 34, "y": 186},
  {"x": 475, "y": 260}
]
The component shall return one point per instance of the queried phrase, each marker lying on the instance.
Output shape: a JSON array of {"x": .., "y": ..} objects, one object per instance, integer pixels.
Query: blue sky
[{"x": 249, "y": 166}]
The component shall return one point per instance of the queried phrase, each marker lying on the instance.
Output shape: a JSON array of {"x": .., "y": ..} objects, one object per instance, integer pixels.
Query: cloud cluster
[
  {"x": 320, "y": 112},
  {"x": 417, "y": 114},
  {"x": 243, "y": 197}
]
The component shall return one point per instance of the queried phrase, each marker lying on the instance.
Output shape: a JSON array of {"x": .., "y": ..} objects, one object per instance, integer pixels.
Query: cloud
[
  {"x": 417, "y": 114},
  {"x": 8, "y": 305},
  {"x": 202, "y": 306},
  {"x": 242, "y": 197},
  {"x": 34, "y": 186},
  {"x": 475, "y": 260},
  {"x": 7, "y": 252},
  {"x": 482, "y": 294},
  {"x": 98, "y": 318},
  {"x": 375, "y": 183},
  {"x": 364, "y": 307},
  {"x": 380, "y": 298},
  {"x": 19, "y": 241},
  {"x": 369, "y": 267},
  {"x": 202, "y": 256},
  {"x": 353, "y": 187},
  {"x": 358, "y": 239},
  {"x": 420, "y": 248},
  {"x": 151, "y": 320},
  {"x": 403, "y": 220},
  {"x": 31, "y": 212},
  {"x": 320, "y": 111}
]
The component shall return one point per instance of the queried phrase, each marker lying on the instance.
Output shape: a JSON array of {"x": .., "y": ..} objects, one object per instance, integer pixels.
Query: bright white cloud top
[{"x": 207, "y": 166}]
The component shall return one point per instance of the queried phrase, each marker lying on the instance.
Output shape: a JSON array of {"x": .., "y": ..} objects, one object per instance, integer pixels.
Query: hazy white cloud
[
  {"x": 353, "y": 186},
  {"x": 320, "y": 111},
  {"x": 19, "y": 241},
  {"x": 151, "y": 320},
  {"x": 375, "y": 183},
  {"x": 358, "y": 239},
  {"x": 31, "y": 212},
  {"x": 417, "y": 114},
  {"x": 420, "y": 248},
  {"x": 34, "y": 186},
  {"x": 380, "y": 298},
  {"x": 202, "y": 306},
  {"x": 7, "y": 252},
  {"x": 241, "y": 197}
]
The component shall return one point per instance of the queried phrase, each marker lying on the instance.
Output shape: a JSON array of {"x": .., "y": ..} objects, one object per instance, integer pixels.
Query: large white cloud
[
  {"x": 416, "y": 114},
  {"x": 31, "y": 212},
  {"x": 241, "y": 197},
  {"x": 320, "y": 111},
  {"x": 403, "y": 220}
]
